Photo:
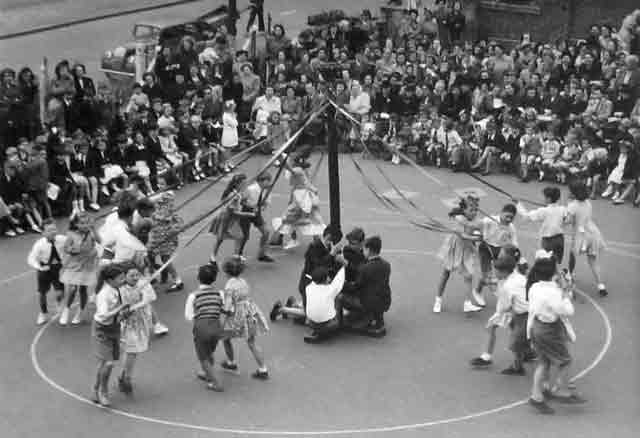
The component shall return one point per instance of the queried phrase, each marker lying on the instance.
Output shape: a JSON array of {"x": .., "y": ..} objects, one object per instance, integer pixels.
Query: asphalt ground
[{"x": 415, "y": 382}]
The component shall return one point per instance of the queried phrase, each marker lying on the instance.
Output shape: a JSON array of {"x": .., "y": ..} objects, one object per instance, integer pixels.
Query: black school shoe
[
  {"x": 229, "y": 366},
  {"x": 603, "y": 292},
  {"x": 265, "y": 258},
  {"x": 480, "y": 362},
  {"x": 513, "y": 371},
  {"x": 260, "y": 375},
  {"x": 275, "y": 311}
]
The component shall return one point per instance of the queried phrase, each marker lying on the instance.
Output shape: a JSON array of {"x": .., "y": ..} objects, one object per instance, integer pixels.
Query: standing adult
[{"x": 257, "y": 10}]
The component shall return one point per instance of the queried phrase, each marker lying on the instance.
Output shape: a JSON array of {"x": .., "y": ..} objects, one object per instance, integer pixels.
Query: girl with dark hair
[
  {"x": 245, "y": 319},
  {"x": 585, "y": 235},
  {"x": 226, "y": 224},
  {"x": 550, "y": 332},
  {"x": 459, "y": 252}
]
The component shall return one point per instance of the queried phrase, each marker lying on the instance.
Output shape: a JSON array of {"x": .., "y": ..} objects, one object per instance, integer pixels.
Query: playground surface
[{"x": 416, "y": 381}]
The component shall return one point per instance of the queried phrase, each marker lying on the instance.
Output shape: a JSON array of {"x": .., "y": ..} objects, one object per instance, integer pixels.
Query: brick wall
[{"x": 546, "y": 19}]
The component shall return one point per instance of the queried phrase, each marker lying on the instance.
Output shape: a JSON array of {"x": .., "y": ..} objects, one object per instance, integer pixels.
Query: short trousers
[
  {"x": 488, "y": 253},
  {"x": 48, "y": 279},
  {"x": 206, "y": 334},
  {"x": 554, "y": 244},
  {"x": 107, "y": 341}
]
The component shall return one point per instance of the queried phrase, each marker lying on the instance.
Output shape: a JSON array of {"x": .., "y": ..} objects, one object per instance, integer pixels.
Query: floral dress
[
  {"x": 458, "y": 254},
  {"x": 136, "y": 329},
  {"x": 245, "y": 317},
  {"x": 166, "y": 225}
]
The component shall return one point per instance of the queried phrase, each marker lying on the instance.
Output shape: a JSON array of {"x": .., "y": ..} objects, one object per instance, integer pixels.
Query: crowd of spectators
[{"x": 544, "y": 110}]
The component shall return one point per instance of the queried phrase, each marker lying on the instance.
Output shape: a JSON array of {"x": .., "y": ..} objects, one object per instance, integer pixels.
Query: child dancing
[
  {"x": 106, "y": 329},
  {"x": 80, "y": 266},
  {"x": 550, "y": 333},
  {"x": 45, "y": 258},
  {"x": 511, "y": 311},
  {"x": 163, "y": 237},
  {"x": 226, "y": 224},
  {"x": 204, "y": 307},
  {"x": 459, "y": 252},
  {"x": 136, "y": 328},
  {"x": 245, "y": 319},
  {"x": 585, "y": 235},
  {"x": 552, "y": 217}
]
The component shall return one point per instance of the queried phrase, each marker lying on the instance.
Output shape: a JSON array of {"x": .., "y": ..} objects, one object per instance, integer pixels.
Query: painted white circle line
[{"x": 384, "y": 429}]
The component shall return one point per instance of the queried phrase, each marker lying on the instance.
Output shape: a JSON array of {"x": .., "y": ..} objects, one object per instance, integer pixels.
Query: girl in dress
[
  {"x": 229, "y": 138},
  {"x": 245, "y": 319},
  {"x": 585, "y": 234},
  {"x": 163, "y": 237},
  {"x": 226, "y": 224},
  {"x": 459, "y": 252},
  {"x": 80, "y": 264},
  {"x": 136, "y": 328},
  {"x": 303, "y": 212}
]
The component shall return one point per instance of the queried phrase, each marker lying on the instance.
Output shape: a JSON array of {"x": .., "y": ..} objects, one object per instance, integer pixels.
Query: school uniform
[
  {"x": 106, "y": 329},
  {"x": 317, "y": 255},
  {"x": 546, "y": 327},
  {"x": 495, "y": 235},
  {"x": 372, "y": 288},
  {"x": 551, "y": 231},
  {"x": 46, "y": 258},
  {"x": 320, "y": 306},
  {"x": 204, "y": 307},
  {"x": 512, "y": 310}
]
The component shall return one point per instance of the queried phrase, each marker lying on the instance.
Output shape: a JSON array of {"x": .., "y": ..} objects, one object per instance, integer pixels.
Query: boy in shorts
[
  {"x": 45, "y": 258},
  {"x": 106, "y": 329}
]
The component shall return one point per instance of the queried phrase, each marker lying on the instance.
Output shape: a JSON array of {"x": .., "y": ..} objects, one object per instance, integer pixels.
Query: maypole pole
[{"x": 334, "y": 174}]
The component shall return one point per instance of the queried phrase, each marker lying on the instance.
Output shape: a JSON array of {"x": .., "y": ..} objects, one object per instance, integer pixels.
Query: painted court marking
[{"x": 385, "y": 429}]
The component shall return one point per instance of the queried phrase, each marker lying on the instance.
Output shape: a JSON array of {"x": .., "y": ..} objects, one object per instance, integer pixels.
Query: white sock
[
  {"x": 601, "y": 286},
  {"x": 485, "y": 356},
  {"x": 262, "y": 369}
]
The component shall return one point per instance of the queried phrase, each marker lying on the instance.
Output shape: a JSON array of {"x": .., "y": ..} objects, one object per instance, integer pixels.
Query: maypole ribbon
[
  {"x": 408, "y": 160},
  {"x": 228, "y": 199},
  {"x": 501, "y": 191}
]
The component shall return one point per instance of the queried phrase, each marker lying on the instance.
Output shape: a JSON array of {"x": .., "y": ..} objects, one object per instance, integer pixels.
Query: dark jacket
[
  {"x": 317, "y": 255},
  {"x": 94, "y": 163},
  {"x": 373, "y": 286},
  {"x": 11, "y": 190}
]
